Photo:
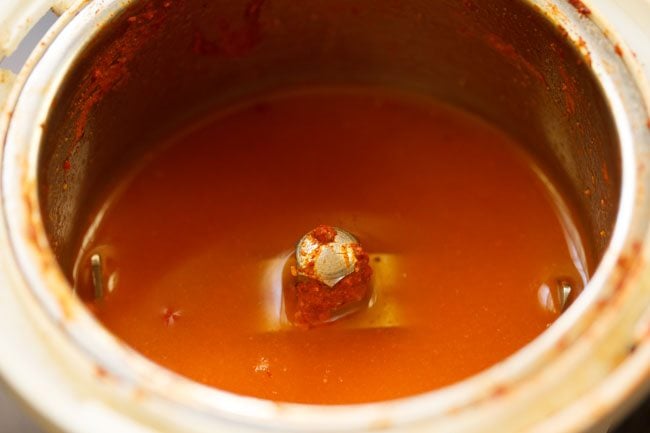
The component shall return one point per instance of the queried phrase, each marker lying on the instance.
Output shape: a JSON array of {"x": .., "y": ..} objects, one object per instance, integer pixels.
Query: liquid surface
[{"x": 462, "y": 232}]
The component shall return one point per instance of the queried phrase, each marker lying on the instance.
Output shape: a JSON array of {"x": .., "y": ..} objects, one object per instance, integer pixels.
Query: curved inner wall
[{"x": 161, "y": 65}]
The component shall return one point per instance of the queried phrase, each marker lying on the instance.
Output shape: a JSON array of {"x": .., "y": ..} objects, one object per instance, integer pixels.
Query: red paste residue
[
  {"x": 568, "y": 83},
  {"x": 317, "y": 303},
  {"x": 581, "y": 7},
  {"x": 513, "y": 56},
  {"x": 581, "y": 43},
  {"x": 628, "y": 265},
  {"x": 100, "y": 372},
  {"x": 324, "y": 234},
  {"x": 233, "y": 40},
  {"x": 583, "y": 47},
  {"x": 110, "y": 69},
  {"x": 508, "y": 51},
  {"x": 569, "y": 91},
  {"x": 605, "y": 172},
  {"x": 618, "y": 50}
]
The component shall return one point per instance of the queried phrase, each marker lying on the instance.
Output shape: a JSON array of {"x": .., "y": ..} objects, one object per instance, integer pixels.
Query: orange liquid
[{"x": 469, "y": 229}]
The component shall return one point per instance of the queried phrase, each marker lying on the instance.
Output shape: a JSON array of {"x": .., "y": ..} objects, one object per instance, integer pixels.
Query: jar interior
[{"x": 160, "y": 64}]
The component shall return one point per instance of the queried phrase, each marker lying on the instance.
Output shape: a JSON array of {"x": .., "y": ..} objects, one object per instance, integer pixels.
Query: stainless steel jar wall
[{"x": 159, "y": 62}]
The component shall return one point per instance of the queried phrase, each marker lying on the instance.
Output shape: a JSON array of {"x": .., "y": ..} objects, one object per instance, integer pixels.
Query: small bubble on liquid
[{"x": 263, "y": 366}]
